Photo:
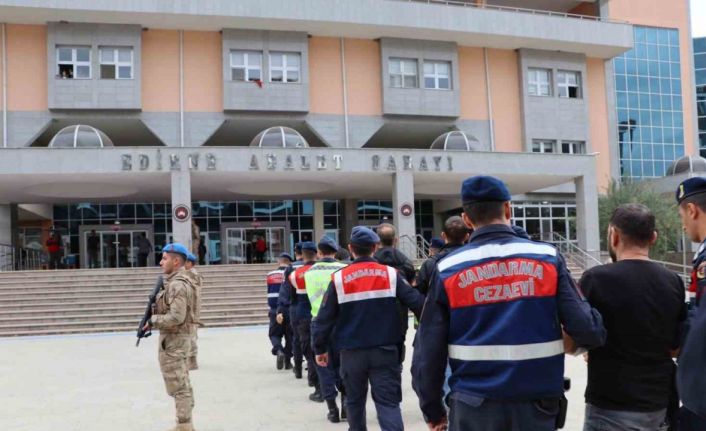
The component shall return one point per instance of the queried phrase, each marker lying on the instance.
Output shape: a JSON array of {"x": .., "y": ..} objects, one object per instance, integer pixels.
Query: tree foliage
[{"x": 669, "y": 231}]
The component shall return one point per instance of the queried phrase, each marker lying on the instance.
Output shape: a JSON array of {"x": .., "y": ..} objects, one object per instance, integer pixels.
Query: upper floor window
[
  {"x": 543, "y": 146},
  {"x": 285, "y": 67},
  {"x": 73, "y": 62},
  {"x": 246, "y": 65},
  {"x": 539, "y": 82},
  {"x": 116, "y": 63},
  {"x": 437, "y": 75},
  {"x": 573, "y": 147},
  {"x": 569, "y": 84},
  {"x": 403, "y": 73}
]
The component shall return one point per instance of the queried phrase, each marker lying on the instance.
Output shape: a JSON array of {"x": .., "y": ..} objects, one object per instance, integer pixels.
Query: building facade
[
  {"x": 289, "y": 122},
  {"x": 700, "y": 79}
]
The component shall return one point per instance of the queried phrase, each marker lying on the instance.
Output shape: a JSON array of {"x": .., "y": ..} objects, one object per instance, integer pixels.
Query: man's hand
[
  {"x": 280, "y": 318},
  {"x": 147, "y": 327},
  {"x": 322, "y": 360},
  {"x": 569, "y": 344},
  {"x": 442, "y": 425}
]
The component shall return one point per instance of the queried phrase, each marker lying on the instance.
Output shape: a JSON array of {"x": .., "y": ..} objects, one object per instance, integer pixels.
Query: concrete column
[
  {"x": 349, "y": 219},
  {"x": 587, "y": 230},
  {"x": 318, "y": 220},
  {"x": 403, "y": 194},
  {"x": 181, "y": 195}
]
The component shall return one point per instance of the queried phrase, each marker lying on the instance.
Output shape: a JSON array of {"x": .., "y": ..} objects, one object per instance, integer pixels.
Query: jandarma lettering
[
  {"x": 500, "y": 269},
  {"x": 365, "y": 273}
]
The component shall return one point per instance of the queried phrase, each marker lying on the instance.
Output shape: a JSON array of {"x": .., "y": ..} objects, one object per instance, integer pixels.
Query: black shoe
[
  {"x": 344, "y": 411},
  {"x": 316, "y": 396},
  {"x": 298, "y": 370},
  {"x": 311, "y": 384},
  {"x": 332, "y": 415},
  {"x": 287, "y": 364},
  {"x": 280, "y": 360}
]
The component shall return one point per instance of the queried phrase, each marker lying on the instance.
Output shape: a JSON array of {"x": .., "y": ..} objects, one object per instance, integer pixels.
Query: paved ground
[{"x": 104, "y": 383}]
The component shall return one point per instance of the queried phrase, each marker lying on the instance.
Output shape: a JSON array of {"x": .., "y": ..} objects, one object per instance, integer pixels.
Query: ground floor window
[{"x": 541, "y": 218}]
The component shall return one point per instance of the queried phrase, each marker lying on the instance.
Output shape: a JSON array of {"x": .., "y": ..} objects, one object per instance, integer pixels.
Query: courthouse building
[{"x": 288, "y": 120}]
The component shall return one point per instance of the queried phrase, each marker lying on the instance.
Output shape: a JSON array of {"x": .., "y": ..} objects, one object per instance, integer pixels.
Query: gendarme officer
[
  {"x": 361, "y": 302},
  {"x": 174, "y": 316},
  {"x": 495, "y": 311}
]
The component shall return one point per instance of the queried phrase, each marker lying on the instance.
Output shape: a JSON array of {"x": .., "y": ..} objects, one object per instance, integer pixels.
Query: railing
[
  {"x": 517, "y": 9},
  {"x": 684, "y": 271},
  {"x": 19, "y": 259},
  {"x": 415, "y": 246},
  {"x": 573, "y": 254}
]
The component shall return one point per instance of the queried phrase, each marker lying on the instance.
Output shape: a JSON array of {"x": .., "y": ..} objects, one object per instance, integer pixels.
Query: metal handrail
[
  {"x": 19, "y": 258},
  {"x": 519, "y": 9},
  {"x": 683, "y": 270},
  {"x": 414, "y": 246}
]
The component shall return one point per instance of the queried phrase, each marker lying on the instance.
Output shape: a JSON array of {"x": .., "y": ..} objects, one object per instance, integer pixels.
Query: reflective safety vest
[
  {"x": 505, "y": 340},
  {"x": 296, "y": 279},
  {"x": 274, "y": 282},
  {"x": 317, "y": 280}
]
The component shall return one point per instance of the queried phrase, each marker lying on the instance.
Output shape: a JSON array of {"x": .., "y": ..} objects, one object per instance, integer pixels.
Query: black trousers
[
  {"x": 304, "y": 329},
  {"x": 489, "y": 415},
  {"x": 278, "y": 332}
]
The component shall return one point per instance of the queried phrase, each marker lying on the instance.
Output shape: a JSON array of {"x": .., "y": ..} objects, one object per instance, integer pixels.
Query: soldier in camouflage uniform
[
  {"x": 174, "y": 317},
  {"x": 197, "y": 281}
]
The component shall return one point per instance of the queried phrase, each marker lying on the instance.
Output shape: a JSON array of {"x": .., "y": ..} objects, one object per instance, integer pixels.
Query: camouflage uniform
[
  {"x": 174, "y": 317},
  {"x": 197, "y": 281}
]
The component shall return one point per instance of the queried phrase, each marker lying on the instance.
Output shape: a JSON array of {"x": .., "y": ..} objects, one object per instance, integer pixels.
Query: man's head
[
  {"x": 308, "y": 251},
  {"x": 298, "y": 251},
  {"x": 455, "y": 231},
  {"x": 93, "y": 232},
  {"x": 327, "y": 247},
  {"x": 435, "y": 245},
  {"x": 631, "y": 229},
  {"x": 486, "y": 201},
  {"x": 190, "y": 261},
  {"x": 387, "y": 234},
  {"x": 363, "y": 242},
  {"x": 691, "y": 197},
  {"x": 173, "y": 257},
  {"x": 284, "y": 259}
]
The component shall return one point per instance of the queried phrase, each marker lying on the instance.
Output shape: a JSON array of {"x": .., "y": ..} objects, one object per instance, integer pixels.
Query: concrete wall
[
  {"x": 94, "y": 93},
  {"x": 420, "y": 101},
  {"x": 273, "y": 96},
  {"x": 553, "y": 117}
]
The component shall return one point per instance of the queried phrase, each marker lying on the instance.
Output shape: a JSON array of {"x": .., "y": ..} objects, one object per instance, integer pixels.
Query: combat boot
[
  {"x": 316, "y": 395},
  {"x": 288, "y": 364},
  {"x": 332, "y": 415},
  {"x": 344, "y": 411},
  {"x": 183, "y": 427},
  {"x": 280, "y": 360},
  {"x": 298, "y": 370},
  {"x": 193, "y": 364}
]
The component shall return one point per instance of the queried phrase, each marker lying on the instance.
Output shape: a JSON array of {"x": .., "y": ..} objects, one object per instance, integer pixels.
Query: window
[
  {"x": 569, "y": 84},
  {"x": 246, "y": 66},
  {"x": 116, "y": 63},
  {"x": 285, "y": 67},
  {"x": 73, "y": 62},
  {"x": 543, "y": 146},
  {"x": 403, "y": 73},
  {"x": 437, "y": 75},
  {"x": 573, "y": 147},
  {"x": 539, "y": 82}
]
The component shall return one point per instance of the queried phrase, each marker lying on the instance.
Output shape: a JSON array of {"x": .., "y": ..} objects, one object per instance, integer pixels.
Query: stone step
[
  {"x": 124, "y": 280},
  {"x": 107, "y": 301},
  {"x": 203, "y": 268},
  {"x": 107, "y": 307},
  {"x": 141, "y": 292}
]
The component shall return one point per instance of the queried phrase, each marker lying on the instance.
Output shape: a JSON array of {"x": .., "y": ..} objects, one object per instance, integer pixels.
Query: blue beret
[
  {"x": 308, "y": 245},
  {"x": 298, "y": 247},
  {"x": 328, "y": 242},
  {"x": 483, "y": 188},
  {"x": 176, "y": 248},
  {"x": 191, "y": 257},
  {"x": 436, "y": 242},
  {"x": 690, "y": 187},
  {"x": 286, "y": 256},
  {"x": 362, "y": 235}
]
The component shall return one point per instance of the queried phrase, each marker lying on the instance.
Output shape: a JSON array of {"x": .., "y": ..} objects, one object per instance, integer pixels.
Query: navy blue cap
[
  {"x": 436, "y": 242},
  {"x": 690, "y": 187},
  {"x": 328, "y": 242},
  {"x": 308, "y": 245},
  {"x": 298, "y": 247},
  {"x": 286, "y": 256},
  {"x": 191, "y": 258},
  {"x": 363, "y": 235},
  {"x": 176, "y": 248},
  {"x": 483, "y": 188}
]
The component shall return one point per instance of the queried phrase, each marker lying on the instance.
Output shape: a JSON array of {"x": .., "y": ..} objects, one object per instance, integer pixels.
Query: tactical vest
[
  {"x": 274, "y": 282},
  {"x": 505, "y": 340},
  {"x": 368, "y": 311},
  {"x": 317, "y": 280}
]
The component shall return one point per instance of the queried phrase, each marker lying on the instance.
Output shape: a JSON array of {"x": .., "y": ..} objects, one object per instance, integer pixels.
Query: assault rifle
[{"x": 141, "y": 333}]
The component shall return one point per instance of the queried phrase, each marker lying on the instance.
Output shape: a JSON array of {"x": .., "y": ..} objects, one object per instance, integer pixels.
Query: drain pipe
[
  {"x": 181, "y": 88},
  {"x": 345, "y": 93},
  {"x": 4, "y": 86},
  {"x": 490, "y": 100}
]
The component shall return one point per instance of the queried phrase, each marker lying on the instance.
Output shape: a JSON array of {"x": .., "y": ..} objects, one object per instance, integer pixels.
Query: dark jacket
[
  {"x": 423, "y": 282},
  {"x": 390, "y": 256}
]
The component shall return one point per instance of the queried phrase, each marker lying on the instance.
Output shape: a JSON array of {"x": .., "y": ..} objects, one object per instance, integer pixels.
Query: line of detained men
[{"x": 500, "y": 312}]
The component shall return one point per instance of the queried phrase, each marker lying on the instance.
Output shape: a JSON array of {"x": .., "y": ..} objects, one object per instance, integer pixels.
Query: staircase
[{"x": 108, "y": 300}]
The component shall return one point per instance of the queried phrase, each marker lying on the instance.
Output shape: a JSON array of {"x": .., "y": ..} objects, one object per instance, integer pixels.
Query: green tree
[{"x": 662, "y": 206}]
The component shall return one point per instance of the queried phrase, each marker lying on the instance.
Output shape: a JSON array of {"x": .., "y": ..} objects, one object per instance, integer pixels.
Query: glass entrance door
[
  {"x": 119, "y": 249},
  {"x": 254, "y": 245}
]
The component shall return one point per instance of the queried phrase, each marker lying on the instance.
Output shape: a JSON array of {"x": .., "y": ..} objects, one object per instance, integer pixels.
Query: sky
[{"x": 698, "y": 18}]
